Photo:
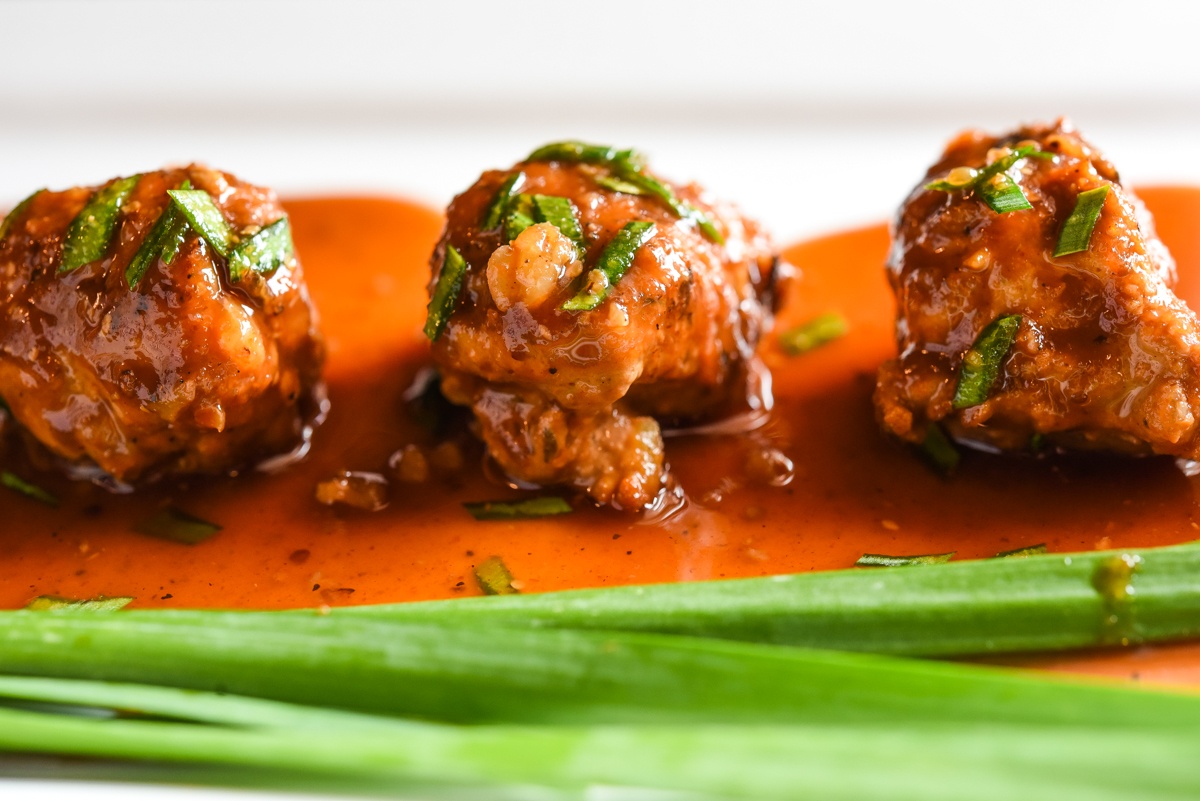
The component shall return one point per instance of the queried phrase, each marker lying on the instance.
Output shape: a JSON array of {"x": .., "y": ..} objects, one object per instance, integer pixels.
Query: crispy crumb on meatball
[
  {"x": 576, "y": 398},
  {"x": 186, "y": 372}
]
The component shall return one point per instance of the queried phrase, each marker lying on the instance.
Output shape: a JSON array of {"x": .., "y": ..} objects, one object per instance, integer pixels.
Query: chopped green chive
[
  {"x": 616, "y": 258},
  {"x": 445, "y": 293},
  {"x": 518, "y": 510},
  {"x": 1076, "y": 232},
  {"x": 518, "y": 216},
  {"x": 53, "y": 603},
  {"x": 494, "y": 577},
  {"x": 628, "y": 168},
  {"x": 560, "y": 212},
  {"x": 163, "y": 242},
  {"x": 938, "y": 449},
  {"x": 590, "y": 154},
  {"x": 264, "y": 252},
  {"x": 204, "y": 217},
  {"x": 504, "y": 196},
  {"x": 813, "y": 334},
  {"x": 882, "y": 560},
  {"x": 981, "y": 364},
  {"x": 997, "y": 189},
  {"x": 176, "y": 526},
  {"x": 17, "y": 484},
  {"x": 89, "y": 234},
  {"x": 16, "y": 213},
  {"x": 1023, "y": 553},
  {"x": 615, "y": 184},
  {"x": 1003, "y": 194}
]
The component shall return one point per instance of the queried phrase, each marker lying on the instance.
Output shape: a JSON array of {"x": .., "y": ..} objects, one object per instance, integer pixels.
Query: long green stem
[
  {"x": 490, "y": 674},
  {"x": 986, "y": 606},
  {"x": 791, "y": 762}
]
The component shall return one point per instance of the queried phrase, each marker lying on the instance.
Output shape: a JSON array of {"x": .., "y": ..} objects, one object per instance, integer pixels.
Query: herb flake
[
  {"x": 176, "y": 526},
  {"x": 54, "y": 603},
  {"x": 17, "y": 484},
  {"x": 981, "y": 363},
  {"x": 1076, "y": 234},
  {"x": 615, "y": 260},
  {"x": 494, "y": 577},
  {"x": 813, "y": 334},
  {"x": 882, "y": 560},
  {"x": 17, "y": 212},
  {"x": 89, "y": 234},
  {"x": 445, "y": 293},
  {"x": 526, "y": 509},
  {"x": 264, "y": 252},
  {"x": 205, "y": 218}
]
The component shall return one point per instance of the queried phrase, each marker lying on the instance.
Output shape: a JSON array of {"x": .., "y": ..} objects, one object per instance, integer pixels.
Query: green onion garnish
[
  {"x": 981, "y": 364},
  {"x": 590, "y": 154},
  {"x": 163, "y": 242},
  {"x": 1023, "y": 553},
  {"x": 628, "y": 168},
  {"x": 263, "y": 253},
  {"x": 14, "y": 215},
  {"x": 204, "y": 217},
  {"x": 881, "y": 560},
  {"x": 616, "y": 258},
  {"x": 17, "y": 484},
  {"x": 89, "y": 234},
  {"x": 518, "y": 510},
  {"x": 813, "y": 334},
  {"x": 53, "y": 603},
  {"x": 998, "y": 190},
  {"x": 1077, "y": 230},
  {"x": 504, "y": 196},
  {"x": 176, "y": 526},
  {"x": 494, "y": 577},
  {"x": 615, "y": 184},
  {"x": 938, "y": 449},
  {"x": 518, "y": 216},
  {"x": 445, "y": 293},
  {"x": 1003, "y": 194},
  {"x": 560, "y": 212}
]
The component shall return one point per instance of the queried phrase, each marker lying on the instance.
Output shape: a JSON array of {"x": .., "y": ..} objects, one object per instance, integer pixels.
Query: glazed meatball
[
  {"x": 130, "y": 349},
  {"x": 1102, "y": 354},
  {"x": 569, "y": 365}
]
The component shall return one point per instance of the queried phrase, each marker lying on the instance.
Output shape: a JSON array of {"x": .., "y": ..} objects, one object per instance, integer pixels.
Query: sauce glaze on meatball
[
  {"x": 186, "y": 372},
  {"x": 575, "y": 398},
  {"x": 1106, "y": 355}
]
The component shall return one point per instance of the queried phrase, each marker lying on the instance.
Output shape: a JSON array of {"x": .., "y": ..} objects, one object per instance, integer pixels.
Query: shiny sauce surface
[{"x": 850, "y": 490}]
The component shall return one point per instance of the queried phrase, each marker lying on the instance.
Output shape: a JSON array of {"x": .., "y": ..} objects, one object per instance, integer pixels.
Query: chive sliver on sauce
[
  {"x": 176, "y": 526},
  {"x": 19, "y": 485},
  {"x": 813, "y": 334},
  {"x": 883, "y": 560},
  {"x": 1076, "y": 234},
  {"x": 981, "y": 363},
  {"x": 494, "y": 577},
  {"x": 445, "y": 293},
  {"x": 527, "y": 509},
  {"x": 615, "y": 260},
  {"x": 89, "y": 234},
  {"x": 204, "y": 217},
  {"x": 53, "y": 603}
]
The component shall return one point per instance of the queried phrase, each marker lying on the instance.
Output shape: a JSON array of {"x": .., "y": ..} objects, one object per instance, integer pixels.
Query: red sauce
[{"x": 853, "y": 491}]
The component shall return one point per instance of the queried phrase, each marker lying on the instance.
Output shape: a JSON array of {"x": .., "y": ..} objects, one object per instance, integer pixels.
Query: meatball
[
  {"x": 131, "y": 349},
  {"x": 1026, "y": 325},
  {"x": 596, "y": 298}
]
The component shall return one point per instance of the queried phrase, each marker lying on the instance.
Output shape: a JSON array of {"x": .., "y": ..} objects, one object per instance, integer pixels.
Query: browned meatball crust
[
  {"x": 1106, "y": 356},
  {"x": 187, "y": 372},
  {"x": 570, "y": 397}
]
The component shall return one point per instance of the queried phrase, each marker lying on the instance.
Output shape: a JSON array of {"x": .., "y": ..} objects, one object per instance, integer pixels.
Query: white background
[{"x": 811, "y": 115}]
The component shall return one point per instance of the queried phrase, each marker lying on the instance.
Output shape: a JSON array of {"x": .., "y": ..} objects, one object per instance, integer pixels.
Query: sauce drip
[{"x": 833, "y": 488}]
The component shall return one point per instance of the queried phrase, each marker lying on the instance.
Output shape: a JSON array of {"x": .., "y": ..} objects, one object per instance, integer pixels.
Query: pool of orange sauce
[{"x": 853, "y": 491}]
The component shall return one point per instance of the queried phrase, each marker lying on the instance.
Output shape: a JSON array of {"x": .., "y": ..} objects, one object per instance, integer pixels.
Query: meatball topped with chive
[
  {"x": 1035, "y": 306},
  {"x": 577, "y": 301},
  {"x": 157, "y": 325}
]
